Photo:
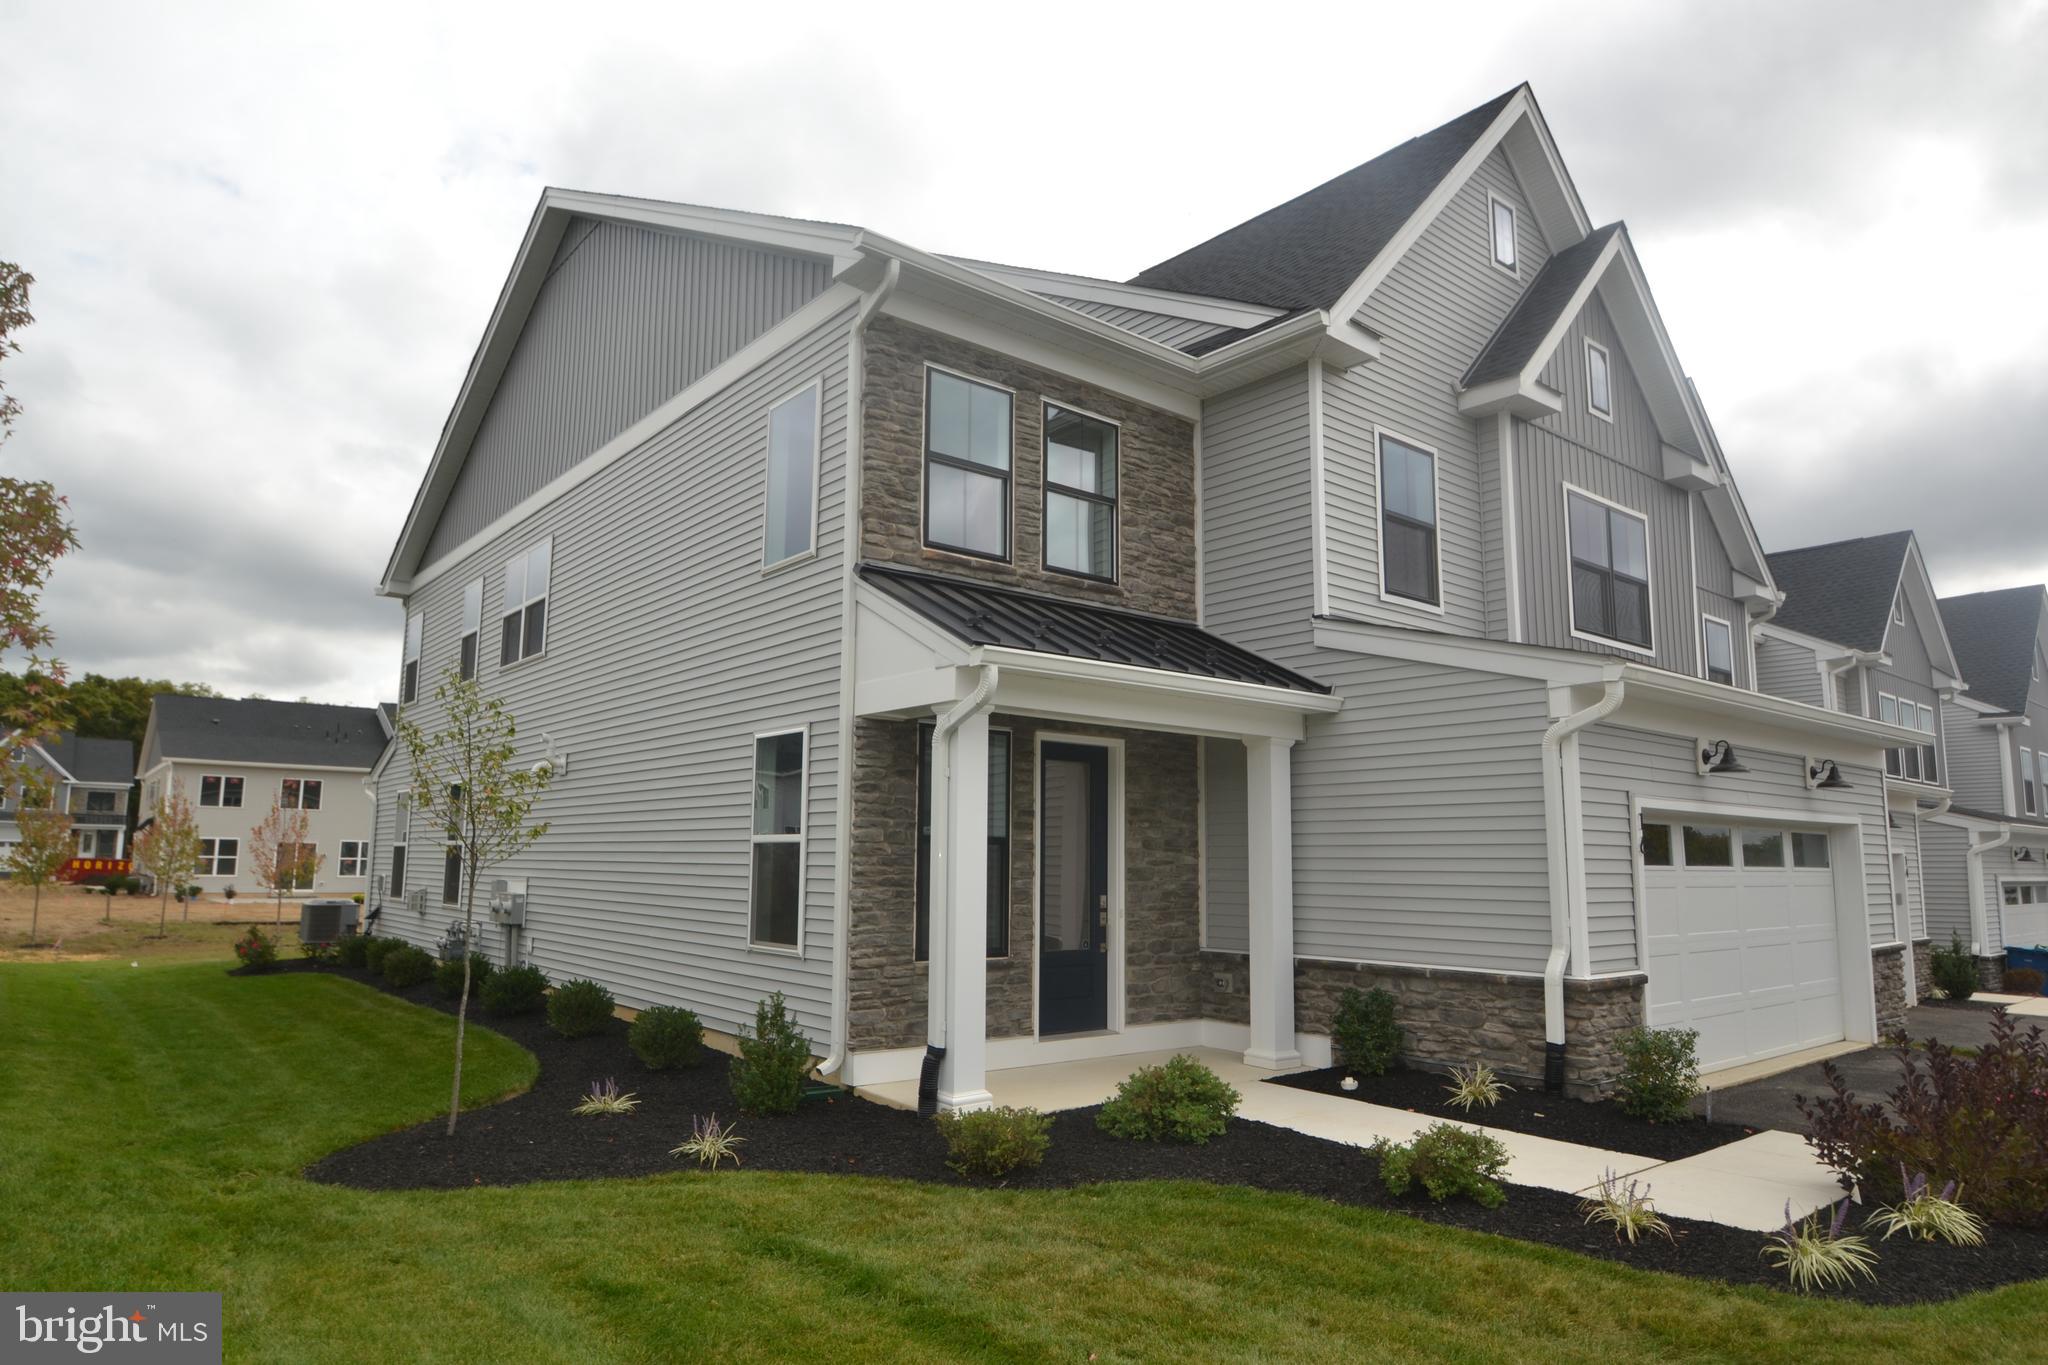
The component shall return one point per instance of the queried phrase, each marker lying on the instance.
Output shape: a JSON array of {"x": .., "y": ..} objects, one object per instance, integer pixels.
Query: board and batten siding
[
  {"x": 1786, "y": 670},
  {"x": 628, "y": 318},
  {"x": 668, "y": 650},
  {"x": 1258, "y": 573},
  {"x": 1226, "y": 859},
  {"x": 1618, "y": 764},
  {"x": 1434, "y": 313},
  {"x": 1164, "y": 328},
  {"x": 1715, "y": 574}
]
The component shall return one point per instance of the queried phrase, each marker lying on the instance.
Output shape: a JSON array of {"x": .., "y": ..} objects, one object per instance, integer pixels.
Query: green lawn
[{"x": 152, "y": 1120}]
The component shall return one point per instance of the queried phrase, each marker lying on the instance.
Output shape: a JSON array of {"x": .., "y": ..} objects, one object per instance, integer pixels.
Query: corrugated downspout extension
[
  {"x": 928, "y": 1081},
  {"x": 1557, "y": 820}
]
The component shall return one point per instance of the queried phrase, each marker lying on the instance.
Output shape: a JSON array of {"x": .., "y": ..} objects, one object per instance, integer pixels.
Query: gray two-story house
[
  {"x": 89, "y": 779},
  {"x": 1014, "y": 667}
]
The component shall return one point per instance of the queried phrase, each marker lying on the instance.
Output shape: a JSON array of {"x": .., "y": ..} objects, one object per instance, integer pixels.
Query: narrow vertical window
[
  {"x": 1599, "y": 391},
  {"x": 792, "y": 478},
  {"x": 778, "y": 839},
  {"x": 472, "y": 627},
  {"x": 523, "y": 617},
  {"x": 1610, "y": 549},
  {"x": 451, "y": 875},
  {"x": 1080, "y": 494},
  {"x": 409, "y": 675},
  {"x": 401, "y": 830},
  {"x": 966, "y": 466},
  {"x": 209, "y": 790},
  {"x": 1408, "y": 538},
  {"x": 2027, "y": 781},
  {"x": 1720, "y": 642},
  {"x": 998, "y": 843},
  {"x": 1503, "y": 234}
]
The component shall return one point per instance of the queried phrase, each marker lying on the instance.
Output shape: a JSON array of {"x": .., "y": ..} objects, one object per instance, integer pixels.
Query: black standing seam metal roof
[
  {"x": 1993, "y": 635},
  {"x": 1306, "y": 252},
  {"x": 1008, "y": 618},
  {"x": 1539, "y": 308},
  {"x": 92, "y": 760},
  {"x": 1842, "y": 591},
  {"x": 259, "y": 731}
]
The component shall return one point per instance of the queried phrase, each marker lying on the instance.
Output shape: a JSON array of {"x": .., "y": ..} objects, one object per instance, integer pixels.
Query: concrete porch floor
[{"x": 1745, "y": 1184}]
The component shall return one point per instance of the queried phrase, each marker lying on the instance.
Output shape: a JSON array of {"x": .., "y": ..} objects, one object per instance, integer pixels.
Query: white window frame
[
  {"x": 545, "y": 597},
  {"x": 401, "y": 841},
  {"x": 200, "y": 793},
  {"x": 344, "y": 860},
  {"x": 472, "y": 629},
  {"x": 2029, "y": 778},
  {"x": 924, "y": 457},
  {"x": 210, "y": 865},
  {"x": 1649, "y": 572},
  {"x": 1899, "y": 608},
  {"x": 300, "y": 804},
  {"x": 1607, "y": 365},
  {"x": 801, "y": 838},
  {"x": 810, "y": 550},
  {"x": 409, "y": 667},
  {"x": 1046, "y": 487},
  {"x": 1380, "y": 436},
  {"x": 1494, "y": 204},
  {"x": 1706, "y": 655}
]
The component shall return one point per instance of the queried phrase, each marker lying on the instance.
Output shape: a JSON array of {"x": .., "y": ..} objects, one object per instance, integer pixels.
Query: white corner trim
[{"x": 1319, "y": 534}]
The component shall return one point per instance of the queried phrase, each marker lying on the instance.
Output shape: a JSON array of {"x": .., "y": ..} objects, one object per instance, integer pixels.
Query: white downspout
[
  {"x": 938, "y": 896},
  {"x": 1556, "y": 816},
  {"x": 1980, "y": 919},
  {"x": 850, "y": 521},
  {"x": 1833, "y": 669},
  {"x": 1921, "y": 815}
]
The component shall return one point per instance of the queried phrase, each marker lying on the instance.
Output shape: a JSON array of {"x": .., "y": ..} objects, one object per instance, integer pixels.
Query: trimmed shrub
[
  {"x": 317, "y": 952},
  {"x": 1954, "y": 971},
  {"x": 353, "y": 950},
  {"x": 994, "y": 1142},
  {"x": 1364, "y": 1033},
  {"x": 769, "y": 1076},
  {"x": 1182, "y": 1100},
  {"x": 406, "y": 966},
  {"x": 448, "y": 976},
  {"x": 228, "y": 892},
  {"x": 515, "y": 990},
  {"x": 256, "y": 950},
  {"x": 374, "y": 949},
  {"x": 665, "y": 1037},
  {"x": 579, "y": 1008},
  {"x": 1979, "y": 1121},
  {"x": 1445, "y": 1160},
  {"x": 2022, "y": 981},
  {"x": 1660, "y": 1074}
]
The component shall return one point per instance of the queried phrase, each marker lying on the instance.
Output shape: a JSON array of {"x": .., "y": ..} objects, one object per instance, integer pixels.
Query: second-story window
[
  {"x": 1080, "y": 493},
  {"x": 1408, "y": 543},
  {"x": 1915, "y": 762},
  {"x": 792, "y": 478},
  {"x": 2027, "y": 802},
  {"x": 966, "y": 466},
  {"x": 1599, "y": 382},
  {"x": 1610, "y": 548},
  {"x": 1720, "y": 642},
  {"x": 214, "y": 790},
  {"x": 472, "y": 627},
  {"x": 1503, "y": 234},
  {"x": 299, "y": 793},
  {"x": 409, "y": 675},
  {"x": 99, "y": 803},
  {"x": 523, "y": 620}
]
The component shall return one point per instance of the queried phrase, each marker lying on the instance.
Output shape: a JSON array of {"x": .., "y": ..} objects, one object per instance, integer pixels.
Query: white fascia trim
[
  {"x": 221, "y": 764},
  {"x": 1569, "y": 315},
  {"x": 1194, "y": 307},
  {"x": 1030, "y": 662},
  {"x": 833, "y": 241},
  {"x": 1656, "y": 683},
  {"x": 1926, "y": 606},
  {"x": 813, "y": 315},
  {"x": 1536, "y": 662},
  {"x": 1512, "y": 395}
]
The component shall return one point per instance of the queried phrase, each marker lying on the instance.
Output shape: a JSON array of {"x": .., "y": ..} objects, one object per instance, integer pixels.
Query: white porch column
[
  {"x": 963, "y": 1079},
  {"x": 1269, "y": 803}
]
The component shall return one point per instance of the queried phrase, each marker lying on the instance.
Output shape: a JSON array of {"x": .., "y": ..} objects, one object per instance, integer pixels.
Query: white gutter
[
  {"x": 1833, "y": 669},
  {"x": 1974, "y": 860},
  {"x": 938, "y": 1025},
  {"x": 850, "y": 521},
  {"x": 1557, "y": 811}
]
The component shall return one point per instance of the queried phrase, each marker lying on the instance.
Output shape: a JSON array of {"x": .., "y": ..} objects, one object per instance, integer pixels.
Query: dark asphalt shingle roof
[
  {"x": 1993, "y": 635},
  {"x": 253, "y": 731},
  {"x": 1844, "y": 591},
  {"x": 92, "y": 760},
  {"x": 1306, "y": 252},
  {"x": 1523, "y": 330},
  {"x": 978, "y": 614}
]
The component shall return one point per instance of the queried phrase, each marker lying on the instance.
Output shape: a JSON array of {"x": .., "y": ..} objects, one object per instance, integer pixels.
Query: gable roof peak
[{"x": 1842, "y": 591}]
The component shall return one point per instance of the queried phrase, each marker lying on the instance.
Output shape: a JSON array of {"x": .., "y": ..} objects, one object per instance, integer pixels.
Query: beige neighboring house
[{"x": 233, "y": 760}]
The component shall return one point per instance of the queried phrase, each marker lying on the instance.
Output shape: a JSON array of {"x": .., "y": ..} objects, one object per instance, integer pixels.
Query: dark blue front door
[{"x": 1073, "y": 881}]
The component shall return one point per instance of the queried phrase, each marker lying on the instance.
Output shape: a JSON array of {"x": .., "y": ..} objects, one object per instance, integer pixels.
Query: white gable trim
[{"x": 1915, "y": 581}]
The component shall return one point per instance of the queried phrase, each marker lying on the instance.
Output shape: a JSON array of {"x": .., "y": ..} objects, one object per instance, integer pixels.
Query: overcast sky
[{"x": 266, "y": 240}]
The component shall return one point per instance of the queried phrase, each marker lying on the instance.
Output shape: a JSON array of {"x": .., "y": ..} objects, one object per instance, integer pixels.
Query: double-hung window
[
  {"x": 1599, "y": 382},
  {"x": 472, "y": 628},
  {"x": 1720, "y": 649},
  {"x": 299, "y": 793},
  {"x": 354, "y": 858},
  {"x": 1408, "y": 540},
  {"x": 966, "y": 466},
  {"x": 1915, "y": 762},
  {"x": 401, "y": 829},
  {"x": 792, "y": 478},
  {"x": 409, "y": 675},
  {"x": 1503, "y": 215},
  {"x": 1080, "y": 493},
  {"x": 215, "y": 790},
  {"x": 523, "y": 619},
  {"x": 778, "y": 839},
  {"x": 218, "y": 857},
  {"x": 1610, "y": 548},
  {"x": 298, "y": 864},
  {"x": 998, "y": 842}
]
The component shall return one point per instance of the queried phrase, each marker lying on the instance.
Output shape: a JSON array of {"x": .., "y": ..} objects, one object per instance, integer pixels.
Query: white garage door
[
  {"x": 2026, "y": 913},
  {"x": 1742, "y": 938}
]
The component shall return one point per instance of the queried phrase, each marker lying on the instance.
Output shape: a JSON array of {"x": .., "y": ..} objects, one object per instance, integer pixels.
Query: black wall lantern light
[
  {"x": 1717, "y": 757},
  {"x": 2025, "y": 855},
  {"x": 1825, "y": 775}
]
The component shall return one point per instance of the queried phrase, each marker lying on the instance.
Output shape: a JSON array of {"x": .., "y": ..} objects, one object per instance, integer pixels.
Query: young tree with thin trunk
[
  {"x": 468, "y": 782},
  {"x": 169, "y": 851},
  {"x": 281, "y": 850},
  {"x": 45, "y": 846}
]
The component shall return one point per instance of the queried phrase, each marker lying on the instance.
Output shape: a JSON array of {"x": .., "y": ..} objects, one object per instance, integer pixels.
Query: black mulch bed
[
  {"x": 1529, "y": 1110},
  {"x": 534, "y": 1137}
]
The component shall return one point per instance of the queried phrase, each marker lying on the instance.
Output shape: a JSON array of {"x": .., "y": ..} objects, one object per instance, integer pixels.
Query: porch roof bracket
[{"x": 1565, "y": 889}]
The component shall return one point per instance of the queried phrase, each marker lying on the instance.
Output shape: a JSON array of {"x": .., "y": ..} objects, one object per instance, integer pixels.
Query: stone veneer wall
[
  {"x": 1991, "y": 972},
  {"x": 1888, "y": 971},
  {"x": 1155, "y": 475},
  {"x": 886, "y": 986},
  {"x": 1923, "y": 969}
]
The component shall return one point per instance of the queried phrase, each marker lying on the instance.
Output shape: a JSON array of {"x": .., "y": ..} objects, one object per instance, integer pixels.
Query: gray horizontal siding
[
  {"x": 1789, "y": 671},
  {"x": 1944, "y": 850},
  {"x": 1418, "y": 819},
  {"x": 1257, "y": 570},
  {"x": 628, "y": 318},
  {"x": 668, "y": 650},
  {"x": 1226, "y": 864},
  {"x": 1617, "y": 765},
  {"x": 1974, "y": 771},
  {"x": 1164, "y": 328}
]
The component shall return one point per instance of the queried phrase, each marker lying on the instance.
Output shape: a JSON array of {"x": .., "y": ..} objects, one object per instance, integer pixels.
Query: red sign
[{"x": 78, "y": 869}]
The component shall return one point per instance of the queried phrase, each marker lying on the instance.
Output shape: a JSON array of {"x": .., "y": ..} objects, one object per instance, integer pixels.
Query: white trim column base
[
  {"x": 966, "y": 1102},
  {"x": 1269, "y": 807},
  {"x": 1272, "y": 1061},
  {"x": 963, "y": 1075}
]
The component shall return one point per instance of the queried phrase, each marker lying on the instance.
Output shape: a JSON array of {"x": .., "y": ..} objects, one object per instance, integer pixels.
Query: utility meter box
[{"x": 508, "y": 900}]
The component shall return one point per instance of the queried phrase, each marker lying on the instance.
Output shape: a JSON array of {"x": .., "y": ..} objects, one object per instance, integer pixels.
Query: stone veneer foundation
[
  {"x": 1888, "y": 972},
  {"x": 1923, "y": 969}
]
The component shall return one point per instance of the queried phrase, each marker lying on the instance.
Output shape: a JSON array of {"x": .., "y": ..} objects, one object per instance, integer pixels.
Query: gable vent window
[
  {"x": 472, "y": 627},
  {"x": 1720, "y": 640},
  {"x": 523, "y": 620},
  {"x": 1503, "y": 235},
  {"x": 1408, "y": 540},
  {"x": 1599, "y": 382},
  {"x": 792, "y": 478},
  {"x": 966, "y": 466},
  {"x": 409, "y": 675},
  {"x": 1080, "y": 494},
  {"x": 1610, "y": 549}
]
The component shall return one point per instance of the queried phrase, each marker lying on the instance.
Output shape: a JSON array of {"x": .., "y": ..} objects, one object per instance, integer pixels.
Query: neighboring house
[
  {"x": 1042, "y": 667},
  {"x": 1860, "y": 631},
  {"x": 90, "y": 778},
  {"x": 1987, "y": 856},
  {"x": 235, "y": 760}
]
